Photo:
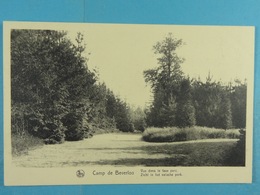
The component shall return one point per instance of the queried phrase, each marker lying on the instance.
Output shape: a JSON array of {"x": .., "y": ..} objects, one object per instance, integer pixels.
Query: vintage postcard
[{"x": 127, "y": 104}]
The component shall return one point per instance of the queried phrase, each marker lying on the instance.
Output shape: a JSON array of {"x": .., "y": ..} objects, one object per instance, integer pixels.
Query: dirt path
[{"x": 105, "y": 149}]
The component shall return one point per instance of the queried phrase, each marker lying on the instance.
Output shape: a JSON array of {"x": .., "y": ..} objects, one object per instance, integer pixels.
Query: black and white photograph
[{"x": 142, "y": 103}]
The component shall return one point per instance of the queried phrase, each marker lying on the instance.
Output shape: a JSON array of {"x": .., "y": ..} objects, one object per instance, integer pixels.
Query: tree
[
  {"x": 238, "y": 104},
  {"x": 224, "y": 115},
  {"x": 212, "y": 102},
  {"x": 138, "y": 118},
  {"x": 168, "y": 74},
  {"x": 185, "y": 109},
  {"x": 165, "y": 81},
  {"x": 50, "y": 82},
  {"x": 34, "y": 82},
  {"x": 122, "y": 117}
]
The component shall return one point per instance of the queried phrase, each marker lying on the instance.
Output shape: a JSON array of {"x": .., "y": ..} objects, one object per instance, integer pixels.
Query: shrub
[
  {"x": 74, "y": 127},
  {"x": 140, "y": 125},
  {"x": 237, "y": 155},
  {"x": 172, "y": 134},
  {"x": 23, "y": 142}
]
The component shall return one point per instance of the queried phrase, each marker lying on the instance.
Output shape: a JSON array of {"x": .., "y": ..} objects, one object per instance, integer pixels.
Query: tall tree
[
  {"x": 224, "y": 115},
  {"x": 185, "y": 109},
  {"x": 51, "y": 80},
  {"x": 168, "y": 74},
  {"x": 165, "y": 81},
  {"x": 238, "y": 104},
  {"x": 212, "y": 102}
]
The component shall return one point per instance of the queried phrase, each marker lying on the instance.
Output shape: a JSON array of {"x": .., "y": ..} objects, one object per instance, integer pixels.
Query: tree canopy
[
  {"x": 54, "y": 94},
  {"x": 181, "y": 101}
]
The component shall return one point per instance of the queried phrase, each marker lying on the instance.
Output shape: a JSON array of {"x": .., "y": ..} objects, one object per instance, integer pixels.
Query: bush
[
  {"x": 23, "y": 142},
  {"x": 238, "y": 153},
  {"x": 57, "y": 136},
  {"x": 173, "y": 134},
  {"x": 74, "y": 127},
  {"x": 139, "y": 125}
]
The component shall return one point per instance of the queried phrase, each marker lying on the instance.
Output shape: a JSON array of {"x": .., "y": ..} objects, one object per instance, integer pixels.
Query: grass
[
  {"x": 194, "y": 154},
  {"x": 21, "y": 144},
  {"x": 134, "y": 152},
  {"x": 183, "y": 154},
  {"x": 174, "y": 134}
]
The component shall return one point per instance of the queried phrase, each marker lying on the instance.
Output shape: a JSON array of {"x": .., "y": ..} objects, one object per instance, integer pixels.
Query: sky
[{"x": 121, "y": 53}]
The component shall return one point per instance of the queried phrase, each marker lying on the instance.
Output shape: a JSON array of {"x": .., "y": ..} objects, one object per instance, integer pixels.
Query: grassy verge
[
  {"x": 21, "y": 144},
  {"x": 215, "y": 153},
  {"x": 193, "y": 154},
  {"x": 174, "y": 134}
]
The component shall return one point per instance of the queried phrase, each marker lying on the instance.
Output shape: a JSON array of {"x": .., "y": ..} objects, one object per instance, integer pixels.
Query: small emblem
[{"x": 80, "y": 173}]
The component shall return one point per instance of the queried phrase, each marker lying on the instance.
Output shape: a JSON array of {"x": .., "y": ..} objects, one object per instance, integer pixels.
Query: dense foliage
[
  {"x": 183, "y": 102},
  {"x": 54, "y": 95}
]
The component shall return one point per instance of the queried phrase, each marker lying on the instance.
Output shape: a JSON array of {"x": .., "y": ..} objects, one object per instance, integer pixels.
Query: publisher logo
[{"x": 80, "y": 173}]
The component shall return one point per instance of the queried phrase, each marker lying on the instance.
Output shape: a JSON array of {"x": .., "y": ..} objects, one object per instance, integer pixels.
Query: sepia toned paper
[{"x": 120, "y": 53}]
